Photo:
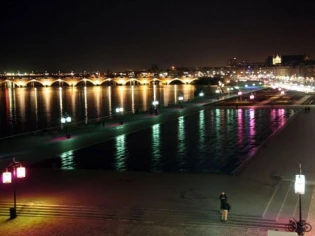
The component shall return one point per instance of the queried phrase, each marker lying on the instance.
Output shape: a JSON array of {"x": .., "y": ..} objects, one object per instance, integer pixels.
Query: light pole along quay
[
  {"x": 13, "y": 171},
  {"x": 64, "y": 120},
  {"x": 180, "y": 99},
  {"x": 300, "y": 189},
  {"x": 119, "y": 111}
]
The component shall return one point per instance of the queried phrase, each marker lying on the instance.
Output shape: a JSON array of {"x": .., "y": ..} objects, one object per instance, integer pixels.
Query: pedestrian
[
  {"x": 223, "y": 200},
  {"x": 225, "y": 211}
]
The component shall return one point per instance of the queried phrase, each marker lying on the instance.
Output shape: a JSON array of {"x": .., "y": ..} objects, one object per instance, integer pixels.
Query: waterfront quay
[{"x": 88, "y": 202}]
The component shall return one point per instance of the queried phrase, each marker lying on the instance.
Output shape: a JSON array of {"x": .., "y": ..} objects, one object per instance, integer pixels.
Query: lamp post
[
  {"x": 155, "y": 103},
  {"x": 300, "y": 189},
  {"x": 13, "y": 171},
  {"x": 180, "y": 99},
  {"x": 64, "y": 120},
  {"x": 240, "y": 94},
  {"x": 201, "y": 94},
  {"x": 120, "y": 110}
]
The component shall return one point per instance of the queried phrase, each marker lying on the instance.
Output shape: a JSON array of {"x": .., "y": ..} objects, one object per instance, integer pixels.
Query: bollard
[{"x": 12, "y": 213}]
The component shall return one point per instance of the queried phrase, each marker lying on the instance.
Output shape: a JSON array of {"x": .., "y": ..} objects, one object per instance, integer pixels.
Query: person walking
[
  {"x": 223, "y": 199},
  {"x": 225, "y": 211}
]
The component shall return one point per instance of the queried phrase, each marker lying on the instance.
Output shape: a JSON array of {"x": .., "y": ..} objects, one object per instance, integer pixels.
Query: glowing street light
[
  {"x": 299, "y": 187},
  {"x": 155, "y": 103},
  {"x": 64, "y": 120},
  {"x": 251, "y": 96},
  {"x": 17, "y": 171},
  {"x": 180, "y": 99},
  {"x": 119, "y": 111}
]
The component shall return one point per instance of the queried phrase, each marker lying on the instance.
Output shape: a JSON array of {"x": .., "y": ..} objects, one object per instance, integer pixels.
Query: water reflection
[
  {"x": 252, "y": 122},
  {"x": 110, "y": 101},
  {"x": 61, "y": 104},
  {"x": 73, "y": 94},
  {"x": 86, "y": 117},
  {"x": 181, "y": 145},
  {"x": 212, "y": 140},
  {"x": 67, "y": 162},
  {"x": 47, "y": 97},
  {"x": 240, "y": 138},
  {"x": 97, "y": 100},
  {"x": 133, "y": 99},
  {"x": 36, "y": 105},
  {"x": 22, "y": 105},
  {"x": 82, "y": 103},
  {"x": 156, "y": 147},
  {"x": 120, "y": 164}
]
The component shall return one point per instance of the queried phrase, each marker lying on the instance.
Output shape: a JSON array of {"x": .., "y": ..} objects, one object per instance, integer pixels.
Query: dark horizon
[{"x": 119, "y": 35}]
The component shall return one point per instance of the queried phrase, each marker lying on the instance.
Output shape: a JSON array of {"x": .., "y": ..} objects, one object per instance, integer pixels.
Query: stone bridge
[{"x": 47, "y": 81}]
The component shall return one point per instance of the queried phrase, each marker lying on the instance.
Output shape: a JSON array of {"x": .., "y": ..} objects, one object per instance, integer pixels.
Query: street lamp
[
  {"x": 155, "y": 103},
  {"x": 17, "y": 171},
  {"x": 300, "y": 189},
  {"x": 64, "y": 120},
  {"x": 180, "y": 99},
  {"x": 201, "y": 94},
  {"x": 120, "y": 110},
  {"x": 240, "y": 94}
]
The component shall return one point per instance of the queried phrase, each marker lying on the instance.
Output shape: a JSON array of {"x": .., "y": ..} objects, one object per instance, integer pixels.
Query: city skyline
[{"x": 122, "y": 35}]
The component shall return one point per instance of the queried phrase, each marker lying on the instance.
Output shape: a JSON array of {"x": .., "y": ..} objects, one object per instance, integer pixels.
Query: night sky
[{"x": 134, "y": 34}]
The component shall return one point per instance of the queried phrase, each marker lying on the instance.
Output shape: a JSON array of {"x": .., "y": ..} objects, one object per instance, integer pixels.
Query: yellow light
[
  {"x": 6, "y": 177},
  {"x": 20, "y": 172}
]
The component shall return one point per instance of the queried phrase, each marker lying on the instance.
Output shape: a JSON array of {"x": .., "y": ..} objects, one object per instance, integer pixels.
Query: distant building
[
  {"x": 288, "y": 60},
  {"x": 232, "y": 62}
]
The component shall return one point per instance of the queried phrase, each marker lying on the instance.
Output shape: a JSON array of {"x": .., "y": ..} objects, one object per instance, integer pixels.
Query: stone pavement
[{"x": 52, "y": 202}]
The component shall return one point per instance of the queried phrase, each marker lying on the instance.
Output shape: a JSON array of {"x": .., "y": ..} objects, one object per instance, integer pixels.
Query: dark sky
[{"x": 133, "y": 34}]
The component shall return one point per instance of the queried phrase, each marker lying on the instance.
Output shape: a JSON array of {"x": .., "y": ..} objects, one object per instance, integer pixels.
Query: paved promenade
[{"x": 81, "y": 202}]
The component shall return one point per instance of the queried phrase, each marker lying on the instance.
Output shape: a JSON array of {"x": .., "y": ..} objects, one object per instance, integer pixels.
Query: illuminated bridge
[{"x": 47, "y": 81}]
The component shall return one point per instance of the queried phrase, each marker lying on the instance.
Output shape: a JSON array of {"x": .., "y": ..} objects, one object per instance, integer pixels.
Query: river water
[
  {"x": 28, "y": 109},
  {"x": 212, "y": 140}
]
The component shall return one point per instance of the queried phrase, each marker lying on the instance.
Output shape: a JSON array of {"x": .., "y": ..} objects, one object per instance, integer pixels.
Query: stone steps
[{"x": 146, "y": 216}]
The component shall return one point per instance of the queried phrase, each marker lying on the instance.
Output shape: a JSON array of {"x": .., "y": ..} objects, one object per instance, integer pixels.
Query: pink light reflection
[
  {"x": 252, "y": 123},
  {"x": 240, "y": 137}
]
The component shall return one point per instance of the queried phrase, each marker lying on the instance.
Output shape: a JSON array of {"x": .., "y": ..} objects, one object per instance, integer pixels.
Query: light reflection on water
[
  {"x": 28, "y": 109},
  {"x": 156, "y": 148},
  {"x": 120, "y": 152},
  {"x": 67, "y": 162},
  {"x": 212, "y": 140}
]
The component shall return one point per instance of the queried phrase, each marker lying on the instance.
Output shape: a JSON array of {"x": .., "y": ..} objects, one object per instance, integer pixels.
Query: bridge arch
[
  {"x": 59, "y": 81},
  {"x": 133, "y": 79},
  {"x": 33, "y": 81},
  {"x": 175, "y": 79},
  {"x": 107, "y": 81},
  {"x": 84, "y": 81},
  {"x": 2, "y": 83},
  {"x": 154, "y": 80}
]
